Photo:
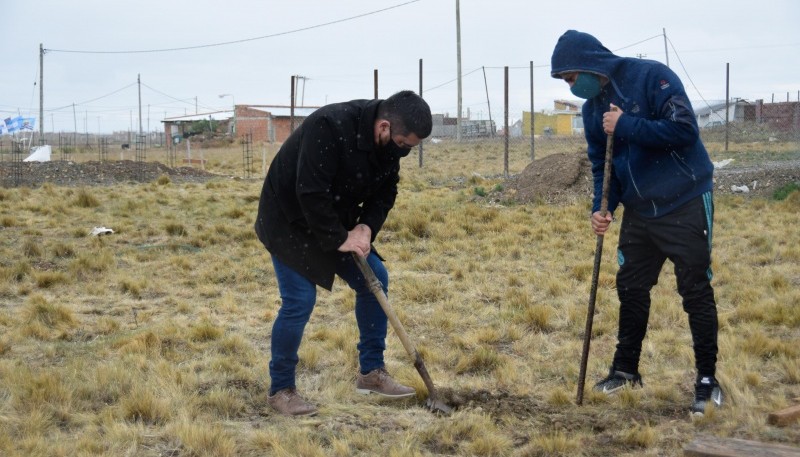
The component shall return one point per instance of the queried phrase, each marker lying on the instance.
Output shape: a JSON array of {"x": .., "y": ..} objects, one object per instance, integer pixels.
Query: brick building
[
  {"x": 783, "y": 116},
  {"x": 266, "y": 123}
]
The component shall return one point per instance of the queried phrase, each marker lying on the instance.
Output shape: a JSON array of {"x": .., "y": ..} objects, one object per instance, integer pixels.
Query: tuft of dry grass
[
  {"x": 85, "y": 199},
  {"x": 41, "y": 311}
]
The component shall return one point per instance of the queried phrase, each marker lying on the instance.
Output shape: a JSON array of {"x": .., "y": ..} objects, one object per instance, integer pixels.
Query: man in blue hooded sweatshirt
[{"x": 662, "y": 175}]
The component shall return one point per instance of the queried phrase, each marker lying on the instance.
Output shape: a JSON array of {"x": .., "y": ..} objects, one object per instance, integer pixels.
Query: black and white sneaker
[
  {"x": 706, "y": 391},
  {"x": 616, "y": 380}
]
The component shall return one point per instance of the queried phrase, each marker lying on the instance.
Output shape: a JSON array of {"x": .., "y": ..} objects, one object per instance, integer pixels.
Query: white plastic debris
[
  {"x": 740, "y": 189},
  {"x": 722, "y": 163},
  {"x": 100, "y": 231}
]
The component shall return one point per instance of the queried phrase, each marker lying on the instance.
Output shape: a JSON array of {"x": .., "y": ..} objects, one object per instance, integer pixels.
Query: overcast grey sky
[{"x": 760, "y": 40}]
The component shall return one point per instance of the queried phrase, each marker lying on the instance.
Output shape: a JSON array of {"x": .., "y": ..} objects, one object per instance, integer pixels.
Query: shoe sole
[
  {"x": 610, "y": 391},
  {"x": 368, "y": 391}
]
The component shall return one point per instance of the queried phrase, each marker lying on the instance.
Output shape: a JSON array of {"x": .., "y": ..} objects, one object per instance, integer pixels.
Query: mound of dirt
[
  {"x": 557, "y": 178},
  {"x": 566, "y": 178},
  {"x": 65, "y": 173}
]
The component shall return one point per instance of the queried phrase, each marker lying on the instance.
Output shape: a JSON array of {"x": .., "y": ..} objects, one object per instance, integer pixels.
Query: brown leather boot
[
  {"x": 289, "y": 403},
  {"x": 378, "y": 381}
]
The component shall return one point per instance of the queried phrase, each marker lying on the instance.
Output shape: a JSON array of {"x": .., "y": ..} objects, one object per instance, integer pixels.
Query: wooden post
[
  {"x": 533, "y": 117},
  {"x": 375, "y": 81},
  {"x": 785, "y": 416},
  {"x": 505, "y": 114},
  {"x": 420, "y": 94}
]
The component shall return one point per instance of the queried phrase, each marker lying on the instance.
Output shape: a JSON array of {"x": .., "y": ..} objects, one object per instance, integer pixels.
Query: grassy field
[{"x": 154, "y": 341}]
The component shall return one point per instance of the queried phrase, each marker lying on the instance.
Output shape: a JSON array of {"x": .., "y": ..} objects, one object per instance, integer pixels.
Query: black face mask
[{"x": 392, "y": 149}]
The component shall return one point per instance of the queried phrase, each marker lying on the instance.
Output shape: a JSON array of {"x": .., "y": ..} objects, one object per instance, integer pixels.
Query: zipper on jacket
[
  {"x": 636, "y": 188},
  {"x": 683, "y": 166}
]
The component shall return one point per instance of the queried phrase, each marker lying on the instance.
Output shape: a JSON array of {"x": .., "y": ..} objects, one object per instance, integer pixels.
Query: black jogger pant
[{"x": 684, "y": 237}]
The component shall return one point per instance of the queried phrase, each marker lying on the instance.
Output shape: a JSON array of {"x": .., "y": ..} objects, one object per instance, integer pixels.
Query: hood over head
[{"x": 580, "y": 52}]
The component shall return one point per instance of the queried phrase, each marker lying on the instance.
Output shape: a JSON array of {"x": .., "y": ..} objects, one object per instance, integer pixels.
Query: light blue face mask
[{"x": 587, "y": 85}]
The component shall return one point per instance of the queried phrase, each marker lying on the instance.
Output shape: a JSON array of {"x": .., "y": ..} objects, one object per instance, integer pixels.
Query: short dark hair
[{"x": 408, "y": 113}]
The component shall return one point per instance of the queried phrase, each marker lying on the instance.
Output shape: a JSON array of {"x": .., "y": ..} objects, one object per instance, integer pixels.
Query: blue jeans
[{"x": 298, "y": 296}]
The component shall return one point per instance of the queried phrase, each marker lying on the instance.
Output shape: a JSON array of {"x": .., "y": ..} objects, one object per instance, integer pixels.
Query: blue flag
[
  {"x": 19, "y": 123},
  {"x": 27, "y": 123}
]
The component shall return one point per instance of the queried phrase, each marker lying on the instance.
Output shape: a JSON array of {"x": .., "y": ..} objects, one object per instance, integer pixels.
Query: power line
[
  {"x": 638, "y": 42},
  {"x": 226, "y": 43},
  {"x": 186, "y": 101},
  {"x": 452, "y": 80},
  {"x": 687, "y": 73},
  {"x": 92, "y": 100}
]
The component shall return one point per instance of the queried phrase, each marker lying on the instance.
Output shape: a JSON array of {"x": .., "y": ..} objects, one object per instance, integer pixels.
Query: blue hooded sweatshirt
[{"x": 659, "y": 161}]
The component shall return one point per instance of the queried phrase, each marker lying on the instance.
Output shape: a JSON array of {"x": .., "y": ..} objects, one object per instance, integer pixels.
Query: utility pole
[
  {"x": 41, "y": 94},
  {"x": 666, "y": 51},
  {"x": 458, "y": 58}
]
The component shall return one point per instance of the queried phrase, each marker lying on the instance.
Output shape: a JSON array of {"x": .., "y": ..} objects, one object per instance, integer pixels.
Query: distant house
[
  {"x": 266, "y": 123},
  {"x": 269, "y": 123},
  {"x": 564, "y": 119},
  {"x": 178, "y": 127},
  {"x": 445, "y": 126},
  {"x": 783, "y": 116},
  {"x": 567, "y": 105},
  {"x": 713, "y": 115}
]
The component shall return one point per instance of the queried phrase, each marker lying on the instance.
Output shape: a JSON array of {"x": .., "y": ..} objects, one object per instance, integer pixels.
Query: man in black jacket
[{"x": 326, "y": 195}]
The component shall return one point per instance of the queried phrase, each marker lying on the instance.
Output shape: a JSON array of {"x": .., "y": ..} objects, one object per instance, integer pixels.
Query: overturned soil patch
[{"x": 65, "y": 173}]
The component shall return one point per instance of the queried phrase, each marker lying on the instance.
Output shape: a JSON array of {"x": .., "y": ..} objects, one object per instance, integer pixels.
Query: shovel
[
  {"x": 433, "y": 403},
  {"x": 598, "y": 255}
]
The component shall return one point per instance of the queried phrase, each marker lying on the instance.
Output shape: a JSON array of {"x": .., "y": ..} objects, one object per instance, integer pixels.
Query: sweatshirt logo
[{"x": 664, "y": 84}]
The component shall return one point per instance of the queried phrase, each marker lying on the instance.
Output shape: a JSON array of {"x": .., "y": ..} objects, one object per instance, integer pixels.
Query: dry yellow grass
[{"x": 155, "y": 340}]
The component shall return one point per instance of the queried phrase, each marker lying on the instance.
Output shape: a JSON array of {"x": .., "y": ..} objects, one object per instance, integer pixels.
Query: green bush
[{"x": 784, "y": 191}]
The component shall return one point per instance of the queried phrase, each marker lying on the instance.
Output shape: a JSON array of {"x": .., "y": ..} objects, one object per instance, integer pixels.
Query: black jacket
[{"x": 327, "y": 177}]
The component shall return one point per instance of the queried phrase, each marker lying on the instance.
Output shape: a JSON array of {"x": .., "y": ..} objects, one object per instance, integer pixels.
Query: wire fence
[{"x": 753, "y": 131}]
